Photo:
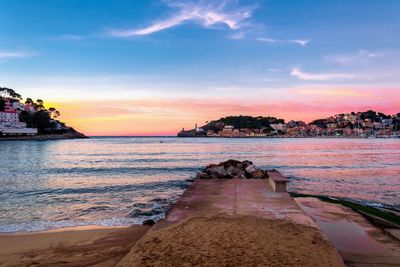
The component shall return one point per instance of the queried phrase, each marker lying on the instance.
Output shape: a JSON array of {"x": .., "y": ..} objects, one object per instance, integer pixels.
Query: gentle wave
[
  {"x": 122, "y": 181},
  {"x": 131, "y": 170},
  {"x": 179, "y": 184}
]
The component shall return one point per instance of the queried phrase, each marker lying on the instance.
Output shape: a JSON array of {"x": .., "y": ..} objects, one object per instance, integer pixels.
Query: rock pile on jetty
[{"x": 232, "y": 169}]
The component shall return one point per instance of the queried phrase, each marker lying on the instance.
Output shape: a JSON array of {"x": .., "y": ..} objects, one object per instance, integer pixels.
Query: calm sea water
[{"x": 120, "y": 181}]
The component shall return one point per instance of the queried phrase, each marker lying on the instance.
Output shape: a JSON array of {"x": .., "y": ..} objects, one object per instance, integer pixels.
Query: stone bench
[{"x": 277, "y": 181}]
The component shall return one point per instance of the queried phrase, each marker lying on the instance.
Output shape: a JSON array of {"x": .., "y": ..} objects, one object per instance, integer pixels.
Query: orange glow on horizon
[{"x": 167, "y": 116}]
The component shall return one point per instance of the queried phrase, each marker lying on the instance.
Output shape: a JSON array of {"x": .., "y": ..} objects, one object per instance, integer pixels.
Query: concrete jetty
[
  {"x": 263, "y": 198},
  {"x": 253, "y": 197}
]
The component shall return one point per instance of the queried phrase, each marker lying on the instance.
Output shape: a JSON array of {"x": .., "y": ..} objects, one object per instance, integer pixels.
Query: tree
[
  {"x": 39, "y": 105},
  {"x": 321, "y": 123},
  {"x": 41, "y": 121},
  {"x": 383, "y": 115},
  {"x": 54, "y": 113},
  {"x": 40, "y": 118},
  {"x": 9, "y": 93},
  {"x": 29, "y": 101},
  {"x": 26, "y": 117}
]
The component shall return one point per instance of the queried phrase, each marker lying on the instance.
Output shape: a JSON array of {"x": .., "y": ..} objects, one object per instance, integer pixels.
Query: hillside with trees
[
  {"x": 32, "y": 113},
  {"x": 360, "y": 124},
  {"x": 238, "y": 122}
]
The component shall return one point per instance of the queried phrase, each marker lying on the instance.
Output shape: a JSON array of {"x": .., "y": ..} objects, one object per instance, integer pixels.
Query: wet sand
[
  {"x": 356, "y": 239},
  {"x": 223, "y": 240},
  {"x": 75, "y": 246}
]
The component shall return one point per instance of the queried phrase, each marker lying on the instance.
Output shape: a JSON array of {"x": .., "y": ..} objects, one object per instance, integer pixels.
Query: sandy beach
[
  {"x": 233, "y": 241},
  {"x": 77, "y": 246}
]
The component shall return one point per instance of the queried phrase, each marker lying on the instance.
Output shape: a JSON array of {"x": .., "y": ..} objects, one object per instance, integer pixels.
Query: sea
[{"x": 114, "y": 181}]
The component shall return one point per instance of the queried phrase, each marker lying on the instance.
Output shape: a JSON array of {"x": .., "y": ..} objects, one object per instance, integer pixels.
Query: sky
[{"x": 153, "y": 67}]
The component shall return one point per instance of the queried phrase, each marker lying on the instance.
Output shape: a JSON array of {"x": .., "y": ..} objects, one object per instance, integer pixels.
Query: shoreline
[
  {"x": 108, "y": 245},
  {"x": 122, "y": 245},
  {"x": 68, "y": 229},
  {"x": 77, "y": 246},
  {"x": 234, "y": 221},
  {"x": 291, "y": 137},
  {"x": 372, "y": 215},
  {"x": 46, "y": 137}
]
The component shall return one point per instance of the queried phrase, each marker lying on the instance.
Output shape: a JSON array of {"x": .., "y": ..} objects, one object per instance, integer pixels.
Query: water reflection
[{"x": 101, "y": 179}]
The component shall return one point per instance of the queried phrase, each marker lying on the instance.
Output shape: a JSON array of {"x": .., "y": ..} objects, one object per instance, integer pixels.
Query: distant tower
[{"x": 195, "y": 126}]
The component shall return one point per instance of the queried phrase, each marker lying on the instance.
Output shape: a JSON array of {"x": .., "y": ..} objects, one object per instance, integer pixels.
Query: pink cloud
[{"x": 167, "y": 116}]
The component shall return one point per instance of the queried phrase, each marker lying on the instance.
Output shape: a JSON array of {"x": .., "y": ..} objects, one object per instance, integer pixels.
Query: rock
[
  {"x": 247, "y": 163},
  {"x": 148, "y": 222},
  {"x": 258, "y": 174},
  {"x": 251, "y": 168},
  {"x": 219, "y": 171},
  {"x": 255, "y": 173},
  {"x": 231, "y": 162},
  {"x": 232, "y": 169},
  {"x": 211, "y": 166},
  {"x": 214, "y": 176},
  {"x": 202, "y": 175},
  {"x": 235, "y": 171}
]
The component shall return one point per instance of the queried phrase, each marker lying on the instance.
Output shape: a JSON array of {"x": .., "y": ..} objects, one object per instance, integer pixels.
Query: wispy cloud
[
  {"x": 15, "y": 54},
  {"x": 297, "y": 72},
  {"x": 302, "y": 42},
  {"x": 333, "y": 92},
  {"x": 361, "y": 56},
  {"x": 205, "y": 14}
]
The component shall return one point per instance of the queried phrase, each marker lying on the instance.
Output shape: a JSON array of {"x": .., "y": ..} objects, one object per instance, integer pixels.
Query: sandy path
[{"x": 225, "y": 240}]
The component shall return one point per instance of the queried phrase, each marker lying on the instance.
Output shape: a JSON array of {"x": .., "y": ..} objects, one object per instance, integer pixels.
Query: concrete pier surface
[
  {"x": 256, "y": 207},
  {"x": 253, "y": 197}
]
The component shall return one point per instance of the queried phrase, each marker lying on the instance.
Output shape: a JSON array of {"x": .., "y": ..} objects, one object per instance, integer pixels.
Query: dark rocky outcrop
[
  {"x": 148, "y": 222},
  {"x": 232, "y": 169}
]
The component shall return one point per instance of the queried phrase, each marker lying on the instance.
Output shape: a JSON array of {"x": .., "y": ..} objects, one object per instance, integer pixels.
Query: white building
[
  {"x": 228, "y": 127},
  {"x": 10, "y": 125},
  {"x": 387, "y": 122},
  {"x": 18, "y": 105},
  {"x": 9, "y": 118},
  {"x": 278, "y": 127}
]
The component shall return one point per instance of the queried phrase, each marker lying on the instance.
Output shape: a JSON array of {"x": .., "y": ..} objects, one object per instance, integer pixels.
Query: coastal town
[
  {"x": 29, "y": 118},
  {"x": 361, "y": 124}
]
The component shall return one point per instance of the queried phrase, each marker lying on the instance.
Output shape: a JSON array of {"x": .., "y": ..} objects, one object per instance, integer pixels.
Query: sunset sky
[{"x": 153, "y": 67}]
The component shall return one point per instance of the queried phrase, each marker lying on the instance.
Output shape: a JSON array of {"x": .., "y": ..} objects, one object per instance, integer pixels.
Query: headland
[
  {"x": 31, "y": 120},
  {"x": 355, "y": 125},
  {"x": 67, "y": 134}
]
